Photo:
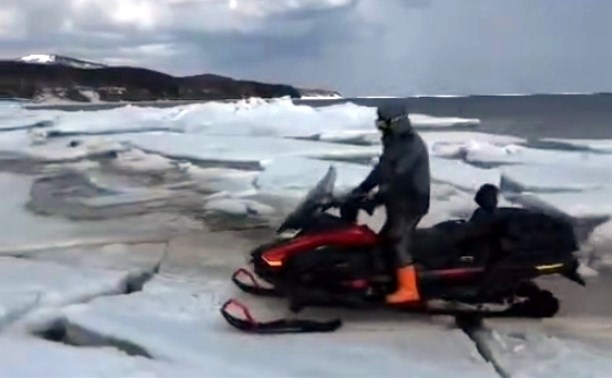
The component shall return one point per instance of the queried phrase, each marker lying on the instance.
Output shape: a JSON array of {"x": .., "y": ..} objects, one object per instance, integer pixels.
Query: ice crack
[
  {"x": 63, "y": 331},
  {"x": 475, "y": 330}
]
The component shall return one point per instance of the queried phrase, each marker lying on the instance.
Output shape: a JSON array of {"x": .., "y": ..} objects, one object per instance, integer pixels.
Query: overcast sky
[{"x": 359, "y": 47}]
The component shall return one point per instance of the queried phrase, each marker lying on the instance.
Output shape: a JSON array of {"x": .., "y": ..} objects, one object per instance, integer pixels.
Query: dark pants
[{"x": 397, "y": 232}]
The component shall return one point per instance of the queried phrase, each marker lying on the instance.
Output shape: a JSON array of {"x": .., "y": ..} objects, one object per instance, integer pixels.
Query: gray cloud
[{"x": 361, "y": 47}]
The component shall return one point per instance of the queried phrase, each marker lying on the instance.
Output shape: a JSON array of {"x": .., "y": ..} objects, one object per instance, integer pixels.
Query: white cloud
[
  {"x": 155, "y": 15},
  {"x": 148, "y": 32},
  {"x": 11, "y": 22},
  {"x": 374, "y": 47}
]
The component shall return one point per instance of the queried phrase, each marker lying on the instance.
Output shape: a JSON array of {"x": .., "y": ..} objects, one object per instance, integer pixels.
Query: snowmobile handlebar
[
  {"x": 350, "y": 204},
  {"x": 360, "y": 202}
]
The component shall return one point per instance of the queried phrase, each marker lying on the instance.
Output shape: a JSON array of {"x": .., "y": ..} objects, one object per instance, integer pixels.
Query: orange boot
[{"x": 407, "y": 291}]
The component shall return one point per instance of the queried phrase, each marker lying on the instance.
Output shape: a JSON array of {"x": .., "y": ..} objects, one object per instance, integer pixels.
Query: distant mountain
[{"x": 54, "y": 77}]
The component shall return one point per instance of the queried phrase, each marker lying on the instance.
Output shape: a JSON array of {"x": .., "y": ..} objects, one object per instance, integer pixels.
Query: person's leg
[
  {"x": 403, "y": 252},
  {"x": 384, "y": 259},
  {"x": 407, "y": 290}
]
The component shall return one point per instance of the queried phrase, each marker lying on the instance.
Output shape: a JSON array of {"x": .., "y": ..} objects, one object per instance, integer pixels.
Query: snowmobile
[{"x": 464, "y": 269}]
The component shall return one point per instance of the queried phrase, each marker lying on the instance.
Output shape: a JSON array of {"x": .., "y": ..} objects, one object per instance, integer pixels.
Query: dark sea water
[{"x": 579, "y": 116}]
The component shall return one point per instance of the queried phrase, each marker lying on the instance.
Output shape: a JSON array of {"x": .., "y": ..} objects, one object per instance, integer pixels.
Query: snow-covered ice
[
  {"x": 21, "y": 230},
  {"x": 177, "y": 322},
  {"x": 468, "y": 140},
  {"x": 133, "y": 259},
  {"x": 17, "y": 146},
  {"x": 527, "y": 352},
  {"x": 14, "y": 117},
  {"x": 221, "y": 179},
  {"x": 599, "y": 244},
  {"x": 462, "y": 175},
  {"x": 551, "y": 177},
  {"x": 252, "y": 117},
  {"x": 29, "y": 285},
  {"x": 296, "y": 173},
  {"x": 136, "y": 161},
  {"x": 588, "y": 204},
  {"x": 118, "y": 120},
  {"x": 251, "y": 159},
  {"x": 525, "y": 155},
  {"x": 32, "y": 357},
  {"x": 15, "y": 305},
  {"x": 232, "y": 147},
  {"x": 237, "y": 150},
  {"x": 238, "y": 206},
  {"x": 596, "y": 145}
]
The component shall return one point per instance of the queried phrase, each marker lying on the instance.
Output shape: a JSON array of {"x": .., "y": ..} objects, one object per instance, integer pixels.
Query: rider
[{"x": 403, "y": 181}]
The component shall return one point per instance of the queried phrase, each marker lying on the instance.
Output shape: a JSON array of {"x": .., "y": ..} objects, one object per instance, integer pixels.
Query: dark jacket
[{"x": 402, "y": 173}]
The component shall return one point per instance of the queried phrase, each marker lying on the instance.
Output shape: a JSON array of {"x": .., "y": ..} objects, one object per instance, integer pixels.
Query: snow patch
[
  {"x": 599, "y": 245},
  {"x": 59, "y": 60},
  {"x": 38, "y": 58}
]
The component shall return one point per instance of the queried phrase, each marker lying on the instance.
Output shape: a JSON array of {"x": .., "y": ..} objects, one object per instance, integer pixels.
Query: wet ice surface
[{"x": 106, "y": 241}]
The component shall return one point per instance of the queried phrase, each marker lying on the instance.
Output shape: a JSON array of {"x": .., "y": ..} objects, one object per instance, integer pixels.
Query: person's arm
[{"x": 371, "y": 181}]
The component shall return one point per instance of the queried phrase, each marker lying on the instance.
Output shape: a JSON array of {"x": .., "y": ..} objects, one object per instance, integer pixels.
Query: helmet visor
[{"x": 382, "y": 124}]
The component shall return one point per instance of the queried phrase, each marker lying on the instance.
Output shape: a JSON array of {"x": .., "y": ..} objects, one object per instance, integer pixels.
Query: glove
[
  {"x": 369, "y": 206},
  {"x": 358, "y": 192},
  {"x": 354, "y": 197}
]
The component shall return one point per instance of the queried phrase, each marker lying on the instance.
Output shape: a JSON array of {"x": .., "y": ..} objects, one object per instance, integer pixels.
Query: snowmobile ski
[
  {"x": 254, "y": 288},
  {"x": 249, "y": 324}
]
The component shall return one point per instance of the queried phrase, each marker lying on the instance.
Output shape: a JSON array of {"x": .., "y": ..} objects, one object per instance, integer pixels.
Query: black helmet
[
  {"x": 392, "y": 117},
  {"x": 486, "y": 197}
]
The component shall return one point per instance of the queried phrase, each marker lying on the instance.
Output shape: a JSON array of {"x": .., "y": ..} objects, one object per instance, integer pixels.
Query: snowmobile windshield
[{"x": 317, "y": 199}]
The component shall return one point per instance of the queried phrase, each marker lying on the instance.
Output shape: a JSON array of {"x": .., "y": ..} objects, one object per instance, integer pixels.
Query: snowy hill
[{"x": 59, "y": 60}]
